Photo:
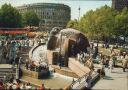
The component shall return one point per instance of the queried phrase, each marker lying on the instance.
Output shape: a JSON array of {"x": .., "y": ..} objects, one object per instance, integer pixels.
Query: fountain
[{"x": 59, "y": 55}]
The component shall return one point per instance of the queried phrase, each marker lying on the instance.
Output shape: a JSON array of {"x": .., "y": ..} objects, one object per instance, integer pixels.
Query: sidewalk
[{"x": 118, "y": 80}]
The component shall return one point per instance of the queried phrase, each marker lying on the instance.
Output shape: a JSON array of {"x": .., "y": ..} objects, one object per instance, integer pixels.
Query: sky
[{"x": 85, "y": 5}]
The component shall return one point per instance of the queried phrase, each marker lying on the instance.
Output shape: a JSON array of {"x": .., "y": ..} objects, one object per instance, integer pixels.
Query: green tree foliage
[
  {"x": 31, "y": 18},
  {"x": 87, "y": 24},
  {"x": 99, "y": 23},
  {"x": 73, "y": 24},
  {"x": 0, "y": 19},
  {"x": 103, "y": 23},
  {"x": 10, "y": 17},
  {"x": 121, "y": 23}
]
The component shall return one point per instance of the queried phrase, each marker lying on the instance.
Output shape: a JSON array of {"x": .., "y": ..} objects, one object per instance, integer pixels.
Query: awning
[{"x": 14, "y": 31}]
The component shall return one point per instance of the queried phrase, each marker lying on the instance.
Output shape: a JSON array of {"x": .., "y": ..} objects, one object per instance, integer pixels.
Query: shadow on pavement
[
  {"x": 108, "y": 78},
  {"x": 118, "y": 72}
]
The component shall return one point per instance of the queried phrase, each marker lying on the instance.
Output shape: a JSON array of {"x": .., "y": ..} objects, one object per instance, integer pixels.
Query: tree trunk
[{"x": 124, "y": 39}]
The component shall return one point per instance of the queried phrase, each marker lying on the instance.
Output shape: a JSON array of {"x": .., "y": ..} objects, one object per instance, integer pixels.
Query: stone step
[
  {"x": 2, "y": 77},
  {"x": 77, "y": 67},
  {"x": 6, "y": 70},
  {"x": 73, "y": 67},
  {"x": 81, "y": 66},
  {"x": 3, "y": 74}
]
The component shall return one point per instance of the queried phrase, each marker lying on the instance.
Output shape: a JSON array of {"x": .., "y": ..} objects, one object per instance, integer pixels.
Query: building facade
[
  {"x": 50, "y": 14},
  {"x": 119, "y": 4}
]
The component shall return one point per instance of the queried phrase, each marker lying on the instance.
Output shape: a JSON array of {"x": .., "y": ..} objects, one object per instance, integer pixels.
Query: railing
[
  {"x": 78, "y": 80},
  {"x": 94, "y": 76}
]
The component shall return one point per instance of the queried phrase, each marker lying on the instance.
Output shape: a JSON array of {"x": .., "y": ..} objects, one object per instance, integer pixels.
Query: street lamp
[{"x": 79, "y": 13}]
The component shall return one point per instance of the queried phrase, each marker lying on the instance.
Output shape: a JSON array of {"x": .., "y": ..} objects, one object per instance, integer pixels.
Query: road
[{"x": 117, "y": 80}]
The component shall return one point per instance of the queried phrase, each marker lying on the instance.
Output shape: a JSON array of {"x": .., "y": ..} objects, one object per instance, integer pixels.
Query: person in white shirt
[
  {"x": 23, "y": 86},
  {"x": 111, "y": 65},
  {"x": 78, "y": 56},
  {"x": 28, "y": 86}
]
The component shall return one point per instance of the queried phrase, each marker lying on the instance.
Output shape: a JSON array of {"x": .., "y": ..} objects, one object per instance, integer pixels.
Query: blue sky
[{"x": 85, "y": 5}]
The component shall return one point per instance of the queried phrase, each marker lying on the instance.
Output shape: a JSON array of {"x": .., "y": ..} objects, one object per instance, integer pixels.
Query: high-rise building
[
  {"x": 50, "y": 14},
  {"x": 119, "y": 4}
]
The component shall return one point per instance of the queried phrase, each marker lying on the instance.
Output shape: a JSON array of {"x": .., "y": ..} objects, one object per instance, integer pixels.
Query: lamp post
[
  {"x": 79, "y": 13},
  {"x": 60, "y": 63}
]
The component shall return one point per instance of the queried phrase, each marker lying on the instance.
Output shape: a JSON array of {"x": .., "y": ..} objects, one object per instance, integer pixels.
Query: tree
[
  {"x": 105, "y": 22},
  {"x": 98, "y": 24},
  {"x": 10, "y": 17},
  {"x": 31, "y": 18},
  {"x": 0, "y": 19},
  {"x": 87, "y": 24},
  {"x": 121, "y": 23},
  {"x": 73, "y": 24}
]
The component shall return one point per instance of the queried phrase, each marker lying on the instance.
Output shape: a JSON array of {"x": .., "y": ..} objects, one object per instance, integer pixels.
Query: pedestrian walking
[
  {"x": 27, "y": 64},
  {"x": 107, "y": 61},
  {"x": 125, "y": 62},
  {"x": 111, "y": 65}
]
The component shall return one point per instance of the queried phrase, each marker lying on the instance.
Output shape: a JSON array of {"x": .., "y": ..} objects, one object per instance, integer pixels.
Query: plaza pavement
[{"x": 117, "y": 80}]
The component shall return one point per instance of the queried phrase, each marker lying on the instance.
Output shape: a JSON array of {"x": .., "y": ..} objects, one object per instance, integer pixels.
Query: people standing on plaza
[
  {"x": 114, "y": 60},
  {"x": 111, "y": 65},
  {"x": 17, "y": 59},
  {"x": 102, "y": 59},
  {"x": 1, "y": 85},
  {"x": 18, "y": 86},
  {"x": 102, "y": 72},
  {"x": 73, "y": 50},
  {"x": 23, "y": 86},
  {"x": 78, "y": 56},
  {"x": 92, "y": 45},
  {"x": 125, "y": 62},
  {"x": 42, "y": 87},
  {"x": 27, "y": 64},
  {"x": 10, "y": 87},
  {"x": 95, "y": 52},
  {"x": 81, "y": 56},
  {"x": 107, "y": 61},
  {"x": 28, "y": 86},
  {"x": 88, "y": 80},
  {"x": 112, "y": 49},
  {"x": 89, "y": 63}
]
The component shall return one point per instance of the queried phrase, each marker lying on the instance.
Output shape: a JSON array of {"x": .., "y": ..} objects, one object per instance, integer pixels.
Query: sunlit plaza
[{"x": 57, "y": 45}]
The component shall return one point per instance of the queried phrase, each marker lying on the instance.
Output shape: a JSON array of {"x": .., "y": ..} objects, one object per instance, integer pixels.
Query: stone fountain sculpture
[{"x": 67, "y": 42}]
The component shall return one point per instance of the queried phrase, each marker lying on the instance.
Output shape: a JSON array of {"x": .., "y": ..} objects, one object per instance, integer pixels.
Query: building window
[
  {"x": 47, "y": 13},
  {"x": 53, "y": 13}
]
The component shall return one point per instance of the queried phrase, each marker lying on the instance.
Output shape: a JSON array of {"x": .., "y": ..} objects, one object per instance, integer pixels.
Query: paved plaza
[
  {"x": 54, "y": 82},
  {"x": 117, "y": 80}
]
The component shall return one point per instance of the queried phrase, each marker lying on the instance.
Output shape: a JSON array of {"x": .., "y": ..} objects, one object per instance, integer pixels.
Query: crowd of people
[
  {"x": 111, "y": 61},
  {"x": 16, "y": 84},
  {"x": 105, "y": 61},
  {"x": 33, "y": 67}
]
